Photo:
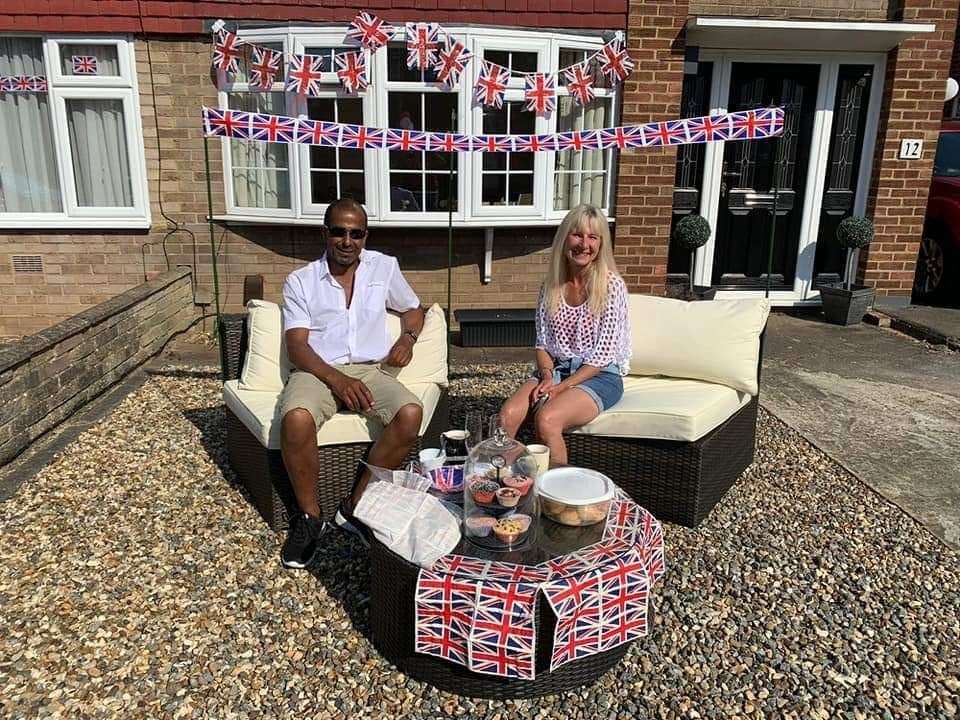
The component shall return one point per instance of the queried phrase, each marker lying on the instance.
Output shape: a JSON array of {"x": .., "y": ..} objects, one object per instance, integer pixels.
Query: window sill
[
  {"x": 404, "y": 223},
  {"x": 25, "y": 224}
]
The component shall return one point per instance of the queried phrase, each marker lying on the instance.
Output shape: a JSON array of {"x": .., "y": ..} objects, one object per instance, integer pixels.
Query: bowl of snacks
[{"x": 574, "y": 496}]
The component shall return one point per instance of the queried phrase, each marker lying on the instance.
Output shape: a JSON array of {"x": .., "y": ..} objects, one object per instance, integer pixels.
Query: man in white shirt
[{"x": 335, "y": 327}]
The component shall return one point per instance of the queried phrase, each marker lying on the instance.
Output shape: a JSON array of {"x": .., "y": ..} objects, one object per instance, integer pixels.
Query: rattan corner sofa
[
  {"x": 685, "y": 428},
  {"x": 255, "y": 368}
]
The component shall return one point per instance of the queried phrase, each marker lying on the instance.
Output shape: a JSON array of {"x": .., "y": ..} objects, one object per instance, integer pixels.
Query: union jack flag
[
  {"x": 540, "y": 92},
  {"x": 534, "y": 143},
  {"x": 511, "y": 572},
  {"x": 448, "y": 142},
  {"x": 226, "y": 123},
  {"x": 451, "y": 62},
  {"x": 493, "y": 143},
  {"x": 580, "y": 82},
  {"x": 650, "y": 546},
  {"x": 444, "y": 613},
  {"x": 568, "y": 565},
  {"x": 615, "y": 63},
  {"x": 227, "y": 52},
  {"x": 316, "y": 132},
  {"x": 577, "y": 604},
  {"x": 273, "y": 128},
  {"x": 627, "y": 136},
  {"x": 503, "y": 637},
  {"x": 752, "y": 124},
  {"x": 370, "y": 31},
  {"x": 623, "y": 521},
  {"x": 84, "y": 64},
  {"x": 304, "y": 73},
  {"x": 352, "y": 71},
  {"x": 492, "y": 84},
  {"x": 460, "y": 564},
  {"x": 264, "y": 66},
  {"x": 422, "y": 42},
  {"x": 578, "y": 140},
  {"x": 361, "y": 137},
  {"x": 605, "y": 550},
  {"x": 405, "y": 140},
  {"x": 624, "y": 592},
  {"x": 668, "y": 132},
  {"x": 706, "y": 129},
  {"x": 37, "y": 84}
]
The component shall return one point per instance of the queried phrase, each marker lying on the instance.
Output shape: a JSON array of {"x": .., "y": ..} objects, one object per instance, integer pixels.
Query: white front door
[{"x": 817, "y": 172}]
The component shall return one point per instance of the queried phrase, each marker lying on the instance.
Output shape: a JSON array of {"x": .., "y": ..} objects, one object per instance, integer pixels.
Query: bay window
[
  {"x": 405, "y": 187},
  {"x": 71, "y": 156}
]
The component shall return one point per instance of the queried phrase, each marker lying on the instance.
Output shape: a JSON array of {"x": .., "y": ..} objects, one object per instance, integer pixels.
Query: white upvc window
[
  {"x": 413, "y": 188},
  {"x": 72, "y": 157}
]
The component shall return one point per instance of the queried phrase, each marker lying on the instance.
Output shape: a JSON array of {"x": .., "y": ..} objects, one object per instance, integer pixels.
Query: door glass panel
[
  {"x": 754, "y": 169},
  {"x": 843, "y": 168}
]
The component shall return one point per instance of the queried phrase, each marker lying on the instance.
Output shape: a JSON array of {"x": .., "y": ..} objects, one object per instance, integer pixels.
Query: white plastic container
[{"x": 574, "y": 496}]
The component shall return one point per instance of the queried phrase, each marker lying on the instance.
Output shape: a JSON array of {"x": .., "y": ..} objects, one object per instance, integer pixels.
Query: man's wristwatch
[{"x": 412, "y": 334}]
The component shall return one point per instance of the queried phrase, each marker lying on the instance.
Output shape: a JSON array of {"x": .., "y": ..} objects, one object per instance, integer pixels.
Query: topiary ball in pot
[
  {"x": 690, "y": 233},
  {"x": 855, "y": 232}
]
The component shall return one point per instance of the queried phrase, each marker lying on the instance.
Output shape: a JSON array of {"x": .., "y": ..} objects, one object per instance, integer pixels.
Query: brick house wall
[{"x": 864, "y": 10}]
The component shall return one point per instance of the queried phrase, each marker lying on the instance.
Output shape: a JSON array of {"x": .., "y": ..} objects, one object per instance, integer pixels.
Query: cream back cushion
[
  {"x": 715, "y": 340},
  {"x": 266, "y": 366}
]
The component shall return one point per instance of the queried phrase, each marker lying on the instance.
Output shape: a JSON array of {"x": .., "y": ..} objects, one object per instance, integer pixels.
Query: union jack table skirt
[{"x": 490, "y": 628}]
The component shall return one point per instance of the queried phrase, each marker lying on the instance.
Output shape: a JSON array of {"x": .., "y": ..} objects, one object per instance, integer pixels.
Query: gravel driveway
[{"x": 137, "y": 581}]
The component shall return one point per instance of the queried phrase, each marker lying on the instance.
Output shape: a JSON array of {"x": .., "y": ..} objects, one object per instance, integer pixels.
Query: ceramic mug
[
  {"x": 540, "y": 453},
  {"x": 431, "y": 459}
]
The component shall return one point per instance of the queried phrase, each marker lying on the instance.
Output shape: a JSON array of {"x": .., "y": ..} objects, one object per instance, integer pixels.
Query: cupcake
[
  {"x": 480, "y": 526},
  {"x": 508, "y": 496},
  {"x": 483, "y": 490},
  {"x": 520, "y": 483},
  {"x": 508, "y": 530}
]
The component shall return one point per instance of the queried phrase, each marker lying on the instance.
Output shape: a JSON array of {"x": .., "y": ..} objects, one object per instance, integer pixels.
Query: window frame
[
  {"x": 470, "y": 211},
  {"x": 62, "y": 87}
]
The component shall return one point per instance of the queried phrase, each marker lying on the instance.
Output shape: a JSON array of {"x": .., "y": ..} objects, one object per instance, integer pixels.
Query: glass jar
[{"x": 500, "y": 508}]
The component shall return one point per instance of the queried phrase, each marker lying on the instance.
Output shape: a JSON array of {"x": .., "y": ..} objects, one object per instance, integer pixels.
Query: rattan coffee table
[{"x": 392, "y": 621}]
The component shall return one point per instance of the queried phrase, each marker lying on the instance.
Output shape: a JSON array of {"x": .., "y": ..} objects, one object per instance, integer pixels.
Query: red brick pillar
[
  {"x": 912, "y": 107},
  {"x": 644, "y": 202}
]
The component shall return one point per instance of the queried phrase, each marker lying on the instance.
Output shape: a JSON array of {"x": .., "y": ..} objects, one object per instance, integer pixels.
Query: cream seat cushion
[
  {"x": 266, "y": 367},
  {"x": 716, "y": 340},
  {"x": 259, "y": 411},
  {"x": 662, "y": 408}
]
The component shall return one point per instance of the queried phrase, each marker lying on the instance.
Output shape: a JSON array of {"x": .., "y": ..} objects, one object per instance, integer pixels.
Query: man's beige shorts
[{"x": 304, "y": 390}]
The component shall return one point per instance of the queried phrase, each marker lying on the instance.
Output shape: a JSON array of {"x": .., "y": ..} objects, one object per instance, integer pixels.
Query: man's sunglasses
[{"x": 355, "y": 233}]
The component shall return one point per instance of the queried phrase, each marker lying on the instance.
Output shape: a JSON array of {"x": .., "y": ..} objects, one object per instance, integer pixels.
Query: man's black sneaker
[
  {"x": 303, "y": 539},
  {"x": 345, "y": 520}
]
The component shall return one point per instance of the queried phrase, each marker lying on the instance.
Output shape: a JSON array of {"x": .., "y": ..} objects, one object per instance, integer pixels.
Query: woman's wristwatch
[{"x": 412, "y": 334}]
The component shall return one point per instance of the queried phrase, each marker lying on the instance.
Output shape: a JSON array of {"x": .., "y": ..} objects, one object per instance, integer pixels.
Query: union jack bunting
[
  {"x": 668, "y": 132},
  {"x": 624, "y": 592},
  {"x": 422, "y": 42},
  {"x": 615, "y": 63},
  {"x": 304, "y": 73},
  {"x": 461, "y": 565},
  {"x": 227, "y": 52},
  {"x": 37, "y": 84},
  {"x": 511, "y": 572},
  {"x": 23, "y": 83},
  {"x": 361, "y": 137},
  {"x": 649, "y": 543},
  {"x": 84, "y": 64},
  {"x": 566, "y": 566},
  {"x": 503, "y": 636},
  {"x": 492, "y": 143},
  {"x": 627, "y": 136},
  {"x": 451, "y": 62},
  {"x": 273, "y": 128},
  {"x": 405, "y": 140},
  {"x": 753, "y": 124},
  {"x": 578, "y": 140},
  {"x": 576, "y": 603},
  {"x": 370, "y": 31},
  {"x": 225, "y": 123},
  {"x": 316, "y": 132},
  {"x": 448, "y": 142},
  {"x": 444, "y": 613},
  {"x": 540, "y": 92},
  {"x": 580, "y": 82},
  {"x": 264, "y": 64},
  {"x": 492, "y": 84},
  {"x": 534, "y": 143},
  {"x": 352, "y": 71}
]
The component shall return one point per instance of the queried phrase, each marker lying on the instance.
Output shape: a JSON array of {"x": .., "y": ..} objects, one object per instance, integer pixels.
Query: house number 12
[{"x": 911, "y": 149}]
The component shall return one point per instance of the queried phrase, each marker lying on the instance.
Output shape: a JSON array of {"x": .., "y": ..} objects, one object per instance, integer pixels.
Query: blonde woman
[{"x": 583, "y": 339}]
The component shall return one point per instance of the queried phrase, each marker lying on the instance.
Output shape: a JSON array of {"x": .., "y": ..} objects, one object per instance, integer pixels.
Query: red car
[{"x": 939, "y": 260}]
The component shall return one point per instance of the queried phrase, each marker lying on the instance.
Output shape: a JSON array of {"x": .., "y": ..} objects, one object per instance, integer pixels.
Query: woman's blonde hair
[{"x": 598, "y": 274}]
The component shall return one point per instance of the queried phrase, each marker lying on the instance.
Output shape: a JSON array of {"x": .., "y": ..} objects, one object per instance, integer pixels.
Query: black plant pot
[
  {"x": 845, "y": 307},
  {"x": 699, "y": 292}
]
